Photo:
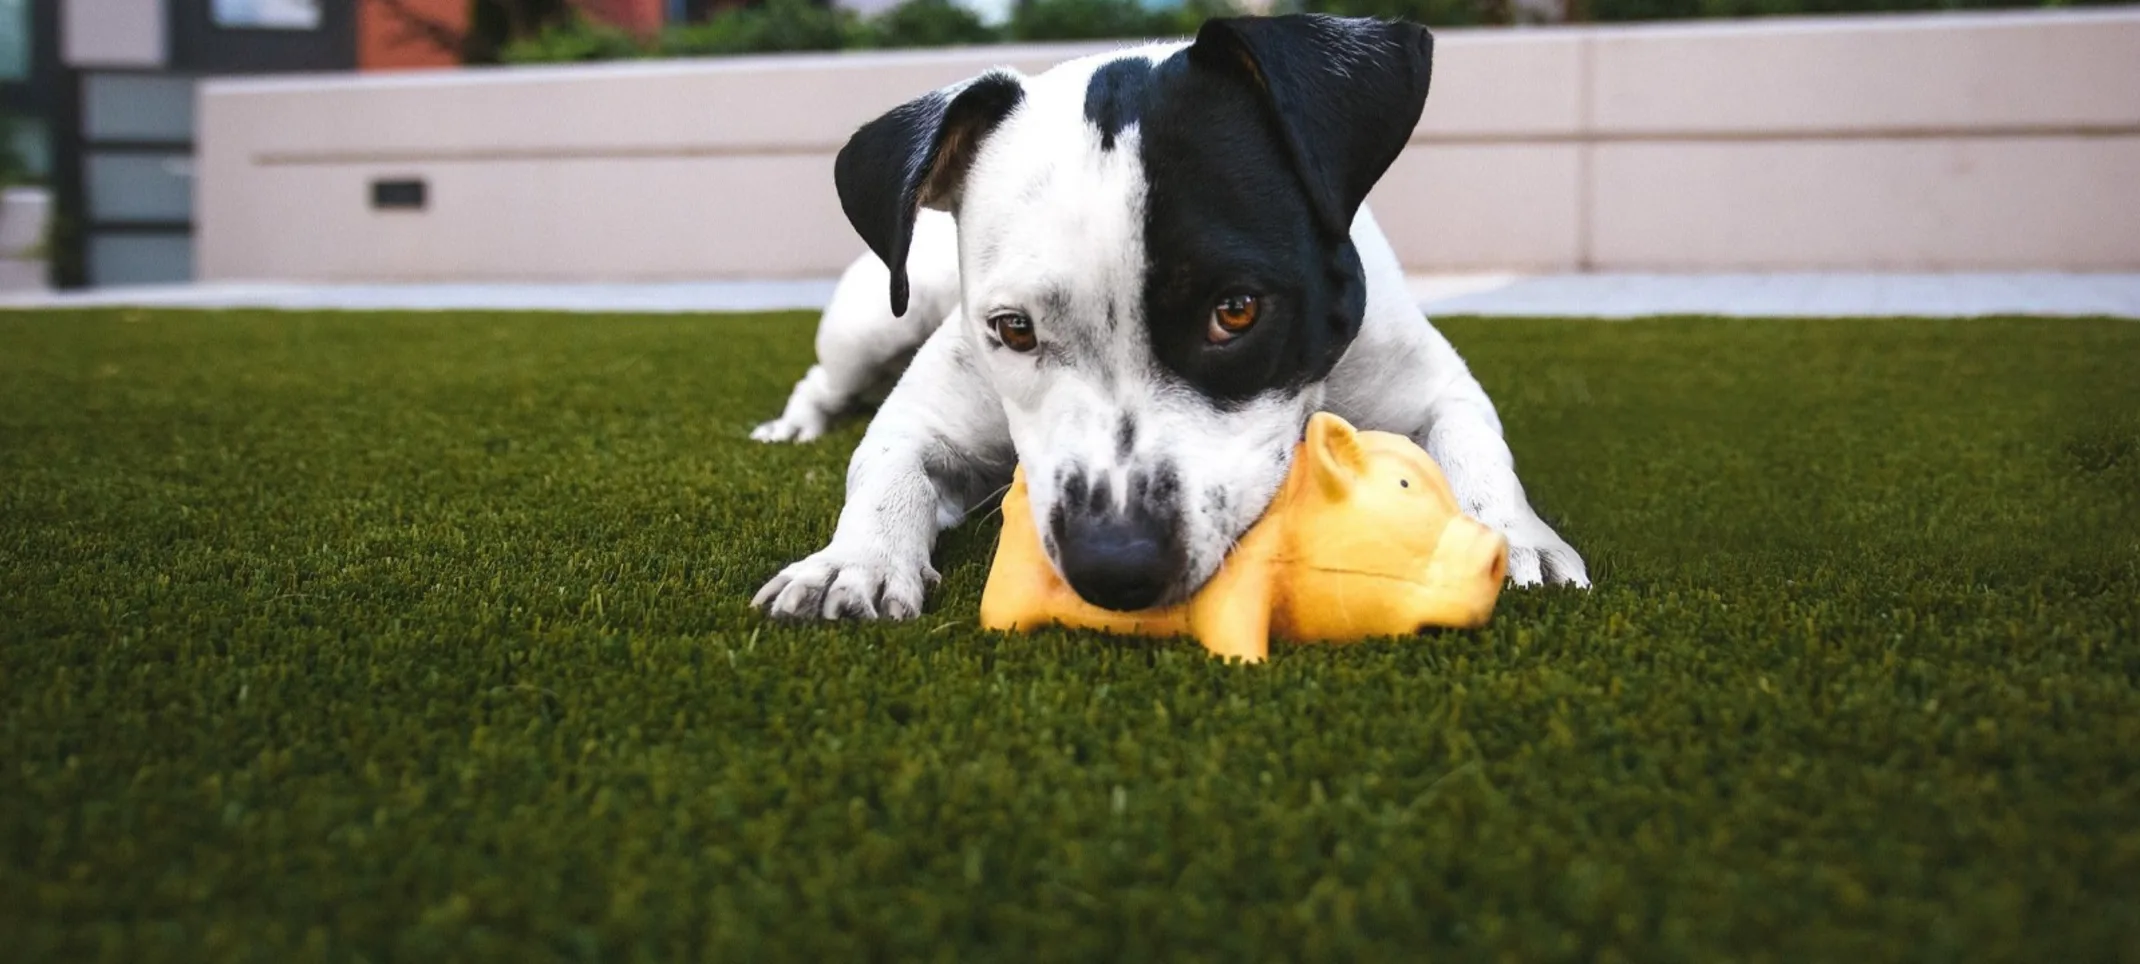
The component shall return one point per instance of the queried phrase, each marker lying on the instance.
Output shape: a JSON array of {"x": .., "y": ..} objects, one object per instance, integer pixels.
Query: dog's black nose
[{"x": 1123, "y": 563}]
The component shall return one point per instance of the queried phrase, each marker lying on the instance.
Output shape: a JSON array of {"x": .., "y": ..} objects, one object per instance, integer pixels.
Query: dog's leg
[
  {"x": 1463, "y": 434},
  {"x": 1402, "y": 375},
  {"x": 861, "y": 345},
  {"x": 1457, "y": 425},
  {"x": 938, "y": 447}
]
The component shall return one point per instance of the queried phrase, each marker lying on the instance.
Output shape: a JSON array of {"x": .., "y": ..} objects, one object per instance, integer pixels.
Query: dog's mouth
[
  {"x": 1193, "y": 555},
  {"x": 1125, "y": 560},
  {"x": 1129, "y": 534}
]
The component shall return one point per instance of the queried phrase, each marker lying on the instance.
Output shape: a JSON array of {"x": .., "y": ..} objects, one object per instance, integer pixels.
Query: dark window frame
[
  {"x": 76, "y": 201},
  {"x": 199, "y": 45}
]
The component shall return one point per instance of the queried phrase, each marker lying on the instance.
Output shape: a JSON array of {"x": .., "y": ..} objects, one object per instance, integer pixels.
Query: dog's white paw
[
  {"x": 842, "y": 583},
  {"x": 1539, "y": 556},
  {"x": 788, "y": 428}
]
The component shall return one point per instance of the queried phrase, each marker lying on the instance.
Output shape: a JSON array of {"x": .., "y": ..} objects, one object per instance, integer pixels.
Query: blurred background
[{"x": 641, "y": 141}]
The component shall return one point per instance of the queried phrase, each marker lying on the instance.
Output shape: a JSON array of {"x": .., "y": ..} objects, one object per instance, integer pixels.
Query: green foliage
[
  {"x": 14, "y": 168},
  {"x": 1053, "y": 20},
  {"x": 575, "y": 39},
  {"x": 495, "y": 25},
  {"x": 1184, "y": 19},
  {"x": 424, "y": 637},
  {"x": 1434, "y": 13},
  {"x": 1086, "y": 20},
  {"x": 925, "y": 23},
  {"x": 774, "y": 26}
]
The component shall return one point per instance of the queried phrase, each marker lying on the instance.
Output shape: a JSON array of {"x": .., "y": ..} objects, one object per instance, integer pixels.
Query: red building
[{"x": 404, "y": 34}]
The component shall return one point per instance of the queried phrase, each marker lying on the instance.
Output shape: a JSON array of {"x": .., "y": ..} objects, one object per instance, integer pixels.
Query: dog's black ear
[
  {"x": 1345, "y": 93},
  {"x": 917, "y": 155}
]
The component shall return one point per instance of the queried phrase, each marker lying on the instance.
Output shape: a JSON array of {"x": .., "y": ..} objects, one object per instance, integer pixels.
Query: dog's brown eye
[
  {"x": 1232, "y": 316},
  {"x": 1015, "y": 329}
]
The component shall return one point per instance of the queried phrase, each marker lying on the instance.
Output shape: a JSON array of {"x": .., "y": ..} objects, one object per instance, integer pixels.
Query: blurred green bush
[
  {"x": 573, "y": 40},
  {"x": 776, "y": 26},
  {"x": 925, "y": 23}
]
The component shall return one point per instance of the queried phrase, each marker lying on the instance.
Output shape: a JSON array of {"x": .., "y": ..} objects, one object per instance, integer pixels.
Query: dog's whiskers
[{"x": 997, "y": 498}]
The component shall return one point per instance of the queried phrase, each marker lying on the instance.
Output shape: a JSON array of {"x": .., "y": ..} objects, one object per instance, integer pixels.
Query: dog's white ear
[
  {"x": 917, "y": 154},
  {"x": 1346, "y": 93}
]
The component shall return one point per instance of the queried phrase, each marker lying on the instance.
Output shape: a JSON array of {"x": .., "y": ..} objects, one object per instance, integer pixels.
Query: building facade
[{"x": 97, "y": 102}]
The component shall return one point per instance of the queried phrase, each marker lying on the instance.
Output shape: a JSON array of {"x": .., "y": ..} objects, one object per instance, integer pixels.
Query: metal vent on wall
[{"x": 399, "y": 194}]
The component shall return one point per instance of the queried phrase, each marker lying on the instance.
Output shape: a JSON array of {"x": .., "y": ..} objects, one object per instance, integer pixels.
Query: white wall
[
  {"x": 1911, "y": 143},
  {"x": 111, "y": 33}
]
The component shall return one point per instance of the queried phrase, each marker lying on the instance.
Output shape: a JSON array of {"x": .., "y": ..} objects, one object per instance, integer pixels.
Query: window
[
  {"x": 267, "y": 14},
  {"x": 14, "y": 39}
]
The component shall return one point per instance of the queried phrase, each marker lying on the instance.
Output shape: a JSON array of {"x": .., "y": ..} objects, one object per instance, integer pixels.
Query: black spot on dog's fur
[
  {"x": 916, "y": 153},
  {"x": 1071, "y": 485},
  {"x": 1114, "y": 97},
  {"x": 1166, "y": 483},
  {"x": 1054, "y": 303},
  {"x": 1259, "y": 142},
  {"x": 1159, "y": 486},
  {"x": 1101, "y": 498},
  {"x": 1125, "y": 557},
  {"x": 1125, "y": 437}
]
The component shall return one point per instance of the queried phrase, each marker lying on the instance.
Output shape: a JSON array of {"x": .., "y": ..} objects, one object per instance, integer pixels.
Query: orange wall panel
[
  {"x": 391, "y": 34},
  {"x": 389, "y": 39},
  {"x": 637, "y": 16}
]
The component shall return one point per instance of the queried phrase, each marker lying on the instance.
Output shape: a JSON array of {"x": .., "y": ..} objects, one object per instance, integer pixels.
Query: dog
[{"x": 1136, "y": 274}]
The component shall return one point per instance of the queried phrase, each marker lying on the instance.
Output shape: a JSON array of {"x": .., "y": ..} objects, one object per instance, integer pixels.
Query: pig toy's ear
[{"x": 1335, "y": 456}]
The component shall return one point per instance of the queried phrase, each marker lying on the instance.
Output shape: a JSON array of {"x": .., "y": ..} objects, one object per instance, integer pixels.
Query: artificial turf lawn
[{"x": 424, "y": 637}]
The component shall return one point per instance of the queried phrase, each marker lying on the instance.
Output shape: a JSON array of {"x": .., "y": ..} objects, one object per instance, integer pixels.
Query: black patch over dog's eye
[
  {"x": 1232, "y": 315},
  {"x": 1015, "y": 330}
]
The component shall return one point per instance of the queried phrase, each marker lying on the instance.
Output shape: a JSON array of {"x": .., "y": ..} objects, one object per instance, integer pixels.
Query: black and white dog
[{"x": 1137, "y": 275}]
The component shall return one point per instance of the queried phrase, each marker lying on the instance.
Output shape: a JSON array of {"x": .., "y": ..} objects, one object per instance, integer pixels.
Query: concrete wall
[
  {"x": 111, "y": 33},
  {"x": 1909, "y": 143},
  {"x": 25, "y": 219}
]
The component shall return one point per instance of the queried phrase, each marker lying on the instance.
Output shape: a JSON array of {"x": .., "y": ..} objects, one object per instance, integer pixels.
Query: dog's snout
[
  {"x": 1120, "y": 558},
  {"x": 1119, "y": 563}
]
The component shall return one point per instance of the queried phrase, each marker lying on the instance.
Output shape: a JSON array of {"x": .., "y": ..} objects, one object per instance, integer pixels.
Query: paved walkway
[
  {"x": 1592, "y": 295},
  {"x": 1785, "y": 295}
]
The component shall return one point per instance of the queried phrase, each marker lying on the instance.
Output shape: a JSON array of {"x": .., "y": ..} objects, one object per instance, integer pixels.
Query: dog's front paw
[
  {"x": 789, "y": 428},
  {"x": 809, "y": 412},
  {"x": 1538, "y": 555},
  {"x": 843, "y": 583}
]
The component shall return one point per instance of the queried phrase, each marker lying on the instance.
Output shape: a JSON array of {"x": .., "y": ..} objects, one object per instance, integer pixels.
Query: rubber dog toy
[{"x": 1363, "y": 539}]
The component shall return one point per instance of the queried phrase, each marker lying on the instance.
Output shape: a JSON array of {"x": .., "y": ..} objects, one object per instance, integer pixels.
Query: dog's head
[{"x": 1158, "y": 275}]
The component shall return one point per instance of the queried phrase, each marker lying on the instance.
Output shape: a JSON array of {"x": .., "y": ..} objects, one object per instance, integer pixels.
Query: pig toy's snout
[
  {"x": 1465, "y": 576},
  {"x": 1492, "y": 553},
  {"x": 1471, "y": 549}
]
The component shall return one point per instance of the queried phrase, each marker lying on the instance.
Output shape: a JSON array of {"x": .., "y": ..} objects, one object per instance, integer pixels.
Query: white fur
[
  {"x": 861, "y": 345},
  {"x": 1044, "y": 211}
]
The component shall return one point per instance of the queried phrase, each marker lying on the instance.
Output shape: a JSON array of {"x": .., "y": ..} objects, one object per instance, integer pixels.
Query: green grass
[{"x": 424, "y": 637}]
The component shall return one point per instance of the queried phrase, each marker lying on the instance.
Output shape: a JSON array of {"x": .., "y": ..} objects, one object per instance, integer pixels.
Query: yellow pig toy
[{"x": 1362, "y": 540}]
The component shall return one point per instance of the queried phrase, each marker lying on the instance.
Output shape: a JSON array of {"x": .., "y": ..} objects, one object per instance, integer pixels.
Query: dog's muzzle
[{"x": 1124, "y": 559}]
